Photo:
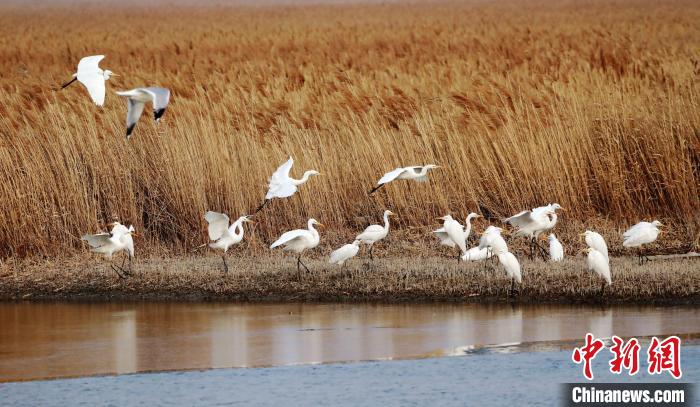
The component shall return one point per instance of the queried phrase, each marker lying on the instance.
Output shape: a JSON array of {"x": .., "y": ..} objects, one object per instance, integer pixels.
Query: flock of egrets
[{"x": 531, "y": 224}]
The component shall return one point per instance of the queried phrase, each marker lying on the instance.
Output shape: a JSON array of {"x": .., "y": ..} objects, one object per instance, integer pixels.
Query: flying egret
[
  {"x": 534, "y": 222},
  {"x": 298, "y": 240},
  {"x": 374, "y": 233},
  {"x": 92, "y": 77},
  {"x": 416, "y": 172},
  {"x": 512, "y": 266},
  {"x": 282, "y": 185},
  {"x": 137, "y": 98},
  {"x": 118, "y": 239},
  {"x": 598, "y": 263},
  {"x": 640, "y": 234},
  {"x": 556, "y": 250},
  {"x": 344, "y": 253},
  {"x": 454, "y": 234},
  {"x": 595, "y": 240},
  {"x": 224, "y": 236},
  {"x": 476, "y": 254}
]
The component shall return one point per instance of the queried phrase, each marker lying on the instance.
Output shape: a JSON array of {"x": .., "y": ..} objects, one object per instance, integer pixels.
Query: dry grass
[
  {"x": 594, "y": 106},
  {"x": 274, "y": 278}
]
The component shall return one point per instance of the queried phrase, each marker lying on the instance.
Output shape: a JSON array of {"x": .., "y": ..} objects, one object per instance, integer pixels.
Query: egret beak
[
  {"x": 114, "y": 74},
  {"x": 321, "y": 225},
  {"x": 134, "y": 234},
  {"x": 391, "y": 213}
]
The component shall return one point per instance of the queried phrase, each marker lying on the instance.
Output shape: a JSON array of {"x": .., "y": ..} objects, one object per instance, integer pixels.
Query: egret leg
[
  {"x": 130, "y": 264},
  {"x": 299, "y": 264},
  {"x": 371, "y": 257},
  {"x": 374, "y": 189},
  {"x": 512, "y": 287},
  {"x": 262, "y": 206},
  {"x": 304, "y": 265},
  {"x": 223, "y": 257},
  {"x": 65, "y": 85},
  {"x": 459, "y": 253},
  {"x": 602, "y": 289}
]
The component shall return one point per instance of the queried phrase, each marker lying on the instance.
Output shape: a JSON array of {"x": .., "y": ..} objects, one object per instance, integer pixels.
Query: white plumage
[
  {"x": 556, "y": 250},
  {"x": 416, "y": 172},
  {"x": 137, "y": 99},
  {"x": 491, "y": 239},
  {"x": 92, "y": 77},
  {"x": 477, "y": 254},
  {"x": 224, "y": 236},
  {"x": 598, "y": 263},
  {"x": 298, "y": 240},
  {"x": 453, "y": 233},
  {"x": 595, "y": 241},
  {"x": 532, "y": 223},
  {"x": 282, "y": 185},
  {"x": 641, "y": 233},
  {"x": 374, "y": 233},
  {"x": 344, "y": 253},
  {"x": 511, "y": 265},
  {"x": 118, "y": 239}
]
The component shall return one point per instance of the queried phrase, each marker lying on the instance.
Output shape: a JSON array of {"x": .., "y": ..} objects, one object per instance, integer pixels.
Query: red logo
[
  {"x": 626, "y": 356},
  {"x": 587, "y": 353},
  {"x": 665, "y": 356}
]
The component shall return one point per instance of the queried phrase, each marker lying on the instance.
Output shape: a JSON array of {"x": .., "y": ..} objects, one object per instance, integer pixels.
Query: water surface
[{"x": 51, "y": 340}]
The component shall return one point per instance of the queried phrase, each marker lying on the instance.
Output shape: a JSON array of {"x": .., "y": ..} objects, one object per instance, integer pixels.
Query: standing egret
[
  {"x": 598, "y": 263},
  {"x": 374, "y": 233},
  {"x": 453, "y": 234},
  {"x": 118, "y": 239},
  {"x": 298, "y": 240},
  {"x": 640, "y": 234},
  {"x": 92, "y": 77},
  {"x": 346, "y": 252},
  {"x": 416, "y": 172},
  {"x": 282, "y": 186},
  {"x": 512, "y": 266},
  {"x": 595, "y": 241},
  {"x": 137, "y": 98},
  {"x": 224, "y": 236},
  {"x": 556, "y": 250},
  {"x": 534, "y": 222}
]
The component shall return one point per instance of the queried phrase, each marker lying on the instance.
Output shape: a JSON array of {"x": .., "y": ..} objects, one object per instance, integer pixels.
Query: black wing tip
[
  {"x": 157, "y": 114},
  {"x": 130, "y": 130}
]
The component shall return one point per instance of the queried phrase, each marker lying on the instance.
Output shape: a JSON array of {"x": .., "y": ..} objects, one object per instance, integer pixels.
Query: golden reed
[{"x": 592, "y": 105}]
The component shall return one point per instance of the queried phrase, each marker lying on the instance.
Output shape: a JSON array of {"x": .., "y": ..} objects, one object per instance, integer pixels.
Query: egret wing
[
  {"x": 218, "y": 224},
  {"x": 444, "y": 237},
  {"x": 522, "y": 219},
  {"x": 390, "y": 176},
  {"x": 161, "y": 97},
  {"x": 280, "y": 184},
  {"x": 97, "y": 240},
  {"x": 94, "y": 82},
  {"x": 289, "y": 236},
  {"x": 90, "y": 64},
  {"x": 133, "y": 114}
]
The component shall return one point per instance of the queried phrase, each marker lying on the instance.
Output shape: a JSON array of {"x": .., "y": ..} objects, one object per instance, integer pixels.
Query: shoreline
[{"x": 391, "y": 280}]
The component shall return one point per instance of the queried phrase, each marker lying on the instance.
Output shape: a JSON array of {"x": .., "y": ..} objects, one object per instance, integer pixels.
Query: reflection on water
[{"x": 42, "y": 340}]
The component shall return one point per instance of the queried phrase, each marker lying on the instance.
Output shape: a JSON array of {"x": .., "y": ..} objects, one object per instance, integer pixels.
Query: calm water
[{"x": 51, "y": 340}]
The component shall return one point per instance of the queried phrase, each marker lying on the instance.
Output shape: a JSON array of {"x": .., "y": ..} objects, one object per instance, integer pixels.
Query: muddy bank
[{"x": 397, "y": 279}]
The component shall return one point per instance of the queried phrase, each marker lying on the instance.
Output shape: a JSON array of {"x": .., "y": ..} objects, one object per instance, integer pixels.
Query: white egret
[
  {"x": 92, "y": 77},
  {"x": 282, "y": 185},
  {"x": 598, "y": 263},
  {"x": 512, "y": 266},
  {"x": 137, "y": 98},
  {"x": 118, "y": 239},
  {"x": 556, "y": 250},
  {"x": 224, "y": 236},
  {"x": 534, "y": 222},
  {"x": 476, "y": 254},
  {"x": 416, "y": 172},
  {"x": 595, "y": 240},
  {"x": 298, "y": 240},
  {"x": 454, "y": 234},
  {"x": 344, "y": 253},
  {"x": 491, "y": 239},
  {"x": 640, "y": 234},
  {"x": 374, "y": 233}
]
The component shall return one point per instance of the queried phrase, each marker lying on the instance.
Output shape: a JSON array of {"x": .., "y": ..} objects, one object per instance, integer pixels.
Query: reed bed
[
  {"x": 390, "y": 279},
  {"x": 593, "y": 105}
]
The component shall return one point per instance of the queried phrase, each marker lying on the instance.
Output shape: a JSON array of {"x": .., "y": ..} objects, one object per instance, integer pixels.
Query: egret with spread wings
[
  {"x": 137, "y": 98},
  {"x": 282, "y": 185},
  {"x": 454, "y": 234},
  {"x": 92, "y": 77},
  {"x": 224, "y": 236},
  {"x": 416, "y": 172},
  {"x": 298, "y": 240},
  {"x": 118, "y": 239},
  {"x": 534, "y": 222}
]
